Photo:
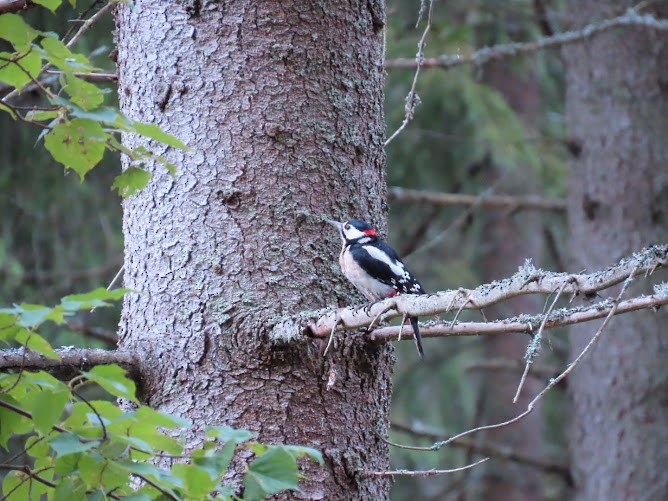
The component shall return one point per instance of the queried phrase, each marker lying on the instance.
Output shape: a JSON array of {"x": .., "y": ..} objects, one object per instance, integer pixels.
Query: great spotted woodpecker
[{"x": 374, "y": 267}]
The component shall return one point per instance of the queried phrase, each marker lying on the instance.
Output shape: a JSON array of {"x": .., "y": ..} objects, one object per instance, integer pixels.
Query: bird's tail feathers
[{"x": 418, "y": 337}]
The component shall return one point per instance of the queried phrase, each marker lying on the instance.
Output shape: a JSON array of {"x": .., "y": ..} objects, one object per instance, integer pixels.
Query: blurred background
[{"x": 492, "y": 130}]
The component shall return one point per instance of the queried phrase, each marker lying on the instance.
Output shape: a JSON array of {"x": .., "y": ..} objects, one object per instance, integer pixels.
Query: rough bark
[
  {"x": 617, "y": 113},
  {"x": 281, "y": 103}
]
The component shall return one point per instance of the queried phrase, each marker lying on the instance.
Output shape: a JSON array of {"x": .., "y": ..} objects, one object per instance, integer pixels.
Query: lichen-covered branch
[
  {"x": 72, "y": 360},
  {"x": 527, "y": 324},
  {"x": 487, "y": 54},
  {"x": 533, "y": 202},
  {"x": 528, "y": 280}
]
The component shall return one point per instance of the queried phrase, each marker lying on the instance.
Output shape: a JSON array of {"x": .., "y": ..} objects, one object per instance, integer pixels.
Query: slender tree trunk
[
  {"x": 617, "y": 111},
  {"x": 281, "y": 103}
]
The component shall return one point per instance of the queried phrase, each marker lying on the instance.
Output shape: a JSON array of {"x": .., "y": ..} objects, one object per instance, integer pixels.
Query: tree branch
[
  {"x": 72, "y": 360},
  {"x": 528, "y": 280},
  {"x": 10, "y": 6},
  {"x": 527, "y": 324},
  {"x": 512, "y": 203},
  {"x": 487, "y": 54},
  {"x": 418, "y": 473},
  {"x": 488, "y": 449}
]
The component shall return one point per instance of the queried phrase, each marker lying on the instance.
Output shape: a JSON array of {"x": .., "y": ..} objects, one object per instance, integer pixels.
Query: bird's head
[{"x": 355, "y": 230}]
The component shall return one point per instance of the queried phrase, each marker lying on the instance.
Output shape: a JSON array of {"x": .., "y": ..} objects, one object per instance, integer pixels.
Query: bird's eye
[{"x": 346, "y": 226}]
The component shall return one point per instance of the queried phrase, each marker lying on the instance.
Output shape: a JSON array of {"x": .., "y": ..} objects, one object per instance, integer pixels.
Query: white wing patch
[{"x": 396, "y": 267}]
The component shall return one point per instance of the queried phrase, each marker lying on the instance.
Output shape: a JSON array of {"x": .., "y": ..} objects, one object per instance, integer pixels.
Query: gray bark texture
[
  {"x": 617, "y": 112},
  {"x": 281, "y": 104}
]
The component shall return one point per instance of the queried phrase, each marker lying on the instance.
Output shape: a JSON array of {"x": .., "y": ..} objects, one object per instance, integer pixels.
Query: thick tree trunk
[
  {"x": 617, "y": 110},
  {"x": 281, "y": 103}
]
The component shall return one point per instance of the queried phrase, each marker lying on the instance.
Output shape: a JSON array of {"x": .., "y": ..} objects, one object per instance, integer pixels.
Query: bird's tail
[{"x": 418, "y": 337}]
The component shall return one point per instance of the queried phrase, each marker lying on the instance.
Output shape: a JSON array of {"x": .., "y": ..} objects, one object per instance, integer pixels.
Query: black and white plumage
[{"x": 374, "y": 267}]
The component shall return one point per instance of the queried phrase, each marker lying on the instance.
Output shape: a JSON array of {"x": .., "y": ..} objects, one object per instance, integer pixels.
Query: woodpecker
[{"x": 374, "y": 267}]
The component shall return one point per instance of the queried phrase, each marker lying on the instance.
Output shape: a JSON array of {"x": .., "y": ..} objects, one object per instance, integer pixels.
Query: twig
[
  {"x": 412, "y": 99},
  {"x": 486, "y": 449},
  {"x": 534, "y": 346},
  {"x": 90, "y": 77},
  {"x": 529, "y": 202},
  {"x": 113, "y": 281},
  {"x": 418, "y": 473},
  {"x": 331, "y": 337},
  {"x": 487, "y": 54}
]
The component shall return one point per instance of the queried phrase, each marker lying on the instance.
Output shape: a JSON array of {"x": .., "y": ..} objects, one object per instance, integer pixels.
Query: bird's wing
[{"x": 387, "y": 267}]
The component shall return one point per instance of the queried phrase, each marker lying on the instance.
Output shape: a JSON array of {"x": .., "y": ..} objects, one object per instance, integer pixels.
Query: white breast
[{"x": 371, "y": 288}]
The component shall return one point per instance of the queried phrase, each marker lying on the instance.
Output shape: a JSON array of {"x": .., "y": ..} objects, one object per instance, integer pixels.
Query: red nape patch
[
  {"x": 370, "y": 233},
  {"x": 392, "y": 293}
]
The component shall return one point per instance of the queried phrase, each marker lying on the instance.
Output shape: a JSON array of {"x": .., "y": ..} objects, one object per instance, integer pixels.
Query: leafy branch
[
  {"x": 76, "y": 447},
  {"x": 77, "y": 128}
]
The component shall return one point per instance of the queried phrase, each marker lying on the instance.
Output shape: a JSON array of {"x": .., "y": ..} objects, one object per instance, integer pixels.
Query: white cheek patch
[
  {"x": 379, "y": 255},
  {"x": 352, "y": 233}
]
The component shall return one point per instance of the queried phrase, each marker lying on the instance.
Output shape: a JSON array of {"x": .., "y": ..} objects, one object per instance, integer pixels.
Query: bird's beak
[{"x": 337, "y": 224}]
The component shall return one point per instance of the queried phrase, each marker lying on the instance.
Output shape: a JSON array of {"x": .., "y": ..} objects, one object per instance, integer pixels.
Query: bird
[{"x": 375, "y": 268}]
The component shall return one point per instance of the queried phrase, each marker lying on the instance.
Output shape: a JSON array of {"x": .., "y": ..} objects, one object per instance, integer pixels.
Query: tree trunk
[
  {"x": 281, "y": 103},
  {"x": 617, "y": 112}
]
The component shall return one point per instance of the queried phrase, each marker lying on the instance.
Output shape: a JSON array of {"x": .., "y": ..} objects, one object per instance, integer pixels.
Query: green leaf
[
  {"x": 97, "y": 471},
  {"x": 16, "y": 31},
  {"x": 64, "y": 444},
  {"x": 298, "y": 452},
  {"x": 215, "y": 463},
  {"x": 37, "y": 447},
  {"x": 167, "y": 481},
  {"x": 21, "y": 72},
  {"x": 12, "y": 423},
  {"x": 154, "y": 132},
  {"x": 17, "y": 483},
  {"x": 150, "y": 416},
  {"x": 45, "y": 380},
  {"x": 78, "y": 145},
  {"x": 47, "y": 406},
  {"x": 41, "y": 116},
  {"x": 273, "y": 472},
  {"x": 227, "y": 433},
  {"x": 52, "y": 5},
  {"x": 113, "y": 379},
  {"x": 35, "y": 342},
  {"x": 131, "y": 181},
  {"x": 197, "y": 482},
  {"x": 138, "y": 496},
  {"x": 105, "y": 115},
  {"x": 32, "y": 315},
  {"x": 70, "y": 490},
  {"x": 86, "y": 423},
  {"x": 57, "y": 53},
  {"x": 64, "y": 465},
  {"x": 95, "y": 299},
  {"x": 84, "y": 94}
]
